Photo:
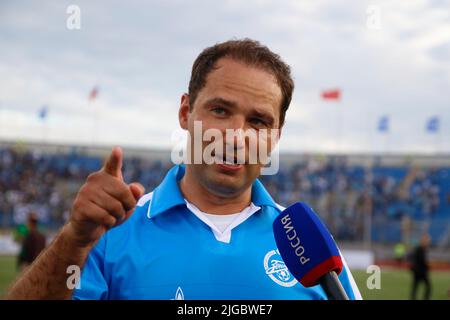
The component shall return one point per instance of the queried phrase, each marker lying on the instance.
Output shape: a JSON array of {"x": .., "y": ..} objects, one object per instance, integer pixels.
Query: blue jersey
[{"x": 164, "y": 251}]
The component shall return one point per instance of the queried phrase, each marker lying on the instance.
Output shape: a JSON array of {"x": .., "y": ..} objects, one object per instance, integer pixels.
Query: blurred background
[{"x": 366, "y": 140}]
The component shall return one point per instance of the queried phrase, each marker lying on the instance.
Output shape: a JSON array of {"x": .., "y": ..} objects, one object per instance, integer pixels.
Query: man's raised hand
[{"x": 103, "y": 202}]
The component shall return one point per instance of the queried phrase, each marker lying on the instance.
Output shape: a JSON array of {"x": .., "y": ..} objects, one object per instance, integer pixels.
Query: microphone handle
[{"x": 333, "y": 287}]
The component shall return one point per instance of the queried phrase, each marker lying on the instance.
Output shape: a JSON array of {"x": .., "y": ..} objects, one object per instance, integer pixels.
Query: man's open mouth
[{"x": 228, "y": 161}]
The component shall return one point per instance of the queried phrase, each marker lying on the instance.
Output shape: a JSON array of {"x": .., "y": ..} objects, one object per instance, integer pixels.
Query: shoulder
[{"x": 271, "y": 212}]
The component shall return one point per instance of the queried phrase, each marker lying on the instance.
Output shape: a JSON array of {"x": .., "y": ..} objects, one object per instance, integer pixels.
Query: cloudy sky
[{"x": 389, "y": 58}]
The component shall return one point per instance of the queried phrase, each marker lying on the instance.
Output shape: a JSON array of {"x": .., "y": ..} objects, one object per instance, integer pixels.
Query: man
[
  {"x": 420, "y": 268},
  {"x": 399, "y": 253},
  {"x": 206, "y": 231},
  {"x": 20, "y": 233},
  {"x": 33, "y": 242}
]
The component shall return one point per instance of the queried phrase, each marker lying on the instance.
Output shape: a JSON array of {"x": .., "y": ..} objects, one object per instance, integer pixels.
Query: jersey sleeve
[{"x": 93, "y": 285}]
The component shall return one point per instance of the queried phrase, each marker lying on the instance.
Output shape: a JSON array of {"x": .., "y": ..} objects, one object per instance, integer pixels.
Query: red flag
[
  {"x": 93, "y": 94},
  {"x": 334, "y": 94}
]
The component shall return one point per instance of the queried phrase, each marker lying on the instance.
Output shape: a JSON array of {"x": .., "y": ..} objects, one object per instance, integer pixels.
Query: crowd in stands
[{"x": 346, "y": 196}]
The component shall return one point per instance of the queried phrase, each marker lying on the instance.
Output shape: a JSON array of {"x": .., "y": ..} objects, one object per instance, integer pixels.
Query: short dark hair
[{"x": 250, "y": 52}]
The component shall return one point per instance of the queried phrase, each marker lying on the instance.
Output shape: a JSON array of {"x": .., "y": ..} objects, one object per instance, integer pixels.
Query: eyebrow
[{"x": 222, "y": 102}]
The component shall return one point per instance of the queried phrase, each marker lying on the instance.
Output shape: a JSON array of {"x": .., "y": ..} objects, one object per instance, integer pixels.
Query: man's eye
[
  {"x": 258, "y": 122},
  {"x": 219, "y": 111}
]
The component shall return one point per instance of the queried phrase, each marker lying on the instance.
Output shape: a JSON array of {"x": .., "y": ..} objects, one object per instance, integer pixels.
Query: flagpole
[
  {"x": 93, "y": 123},
  {"x": 42, "y": 118},
  {"x": 383, "y": 129},
  {"x": 432, "y": 127},
  {"x": 339, "y": 129},
  {"x": 335, "y": 94},
  {"x": 96, "y": 116},
  {"x": 97, "y": 124},
  {"x": 439, "y": 141},
  {"x": 2, "y": 122},
  {"x": 372, "y": 136},
  {"x": 339, "y": 124},
  {"x": 45, "y": 135},
  {"x": 438, "y": 136},
  {"x": 42, "y": 130},
  {"x": 385, "y": 141}
]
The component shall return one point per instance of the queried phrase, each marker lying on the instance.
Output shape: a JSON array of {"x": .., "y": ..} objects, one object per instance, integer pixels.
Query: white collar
[{"x": 225, "y": 236}]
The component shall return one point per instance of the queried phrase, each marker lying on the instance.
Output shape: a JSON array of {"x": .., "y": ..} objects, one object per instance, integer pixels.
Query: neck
[{"x": 208, "y": 202}]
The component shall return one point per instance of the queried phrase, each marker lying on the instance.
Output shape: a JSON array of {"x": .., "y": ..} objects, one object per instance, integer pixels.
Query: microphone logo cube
[{"x": 305, "y": 244}]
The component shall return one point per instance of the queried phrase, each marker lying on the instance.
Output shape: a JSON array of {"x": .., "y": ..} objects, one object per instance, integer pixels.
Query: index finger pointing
[{"x": 113, "y": 164}]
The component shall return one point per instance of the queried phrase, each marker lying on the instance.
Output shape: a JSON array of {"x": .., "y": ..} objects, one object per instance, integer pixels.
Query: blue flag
[
  {"x": 432, "y": 125},
  {"x": 383, "y": 124},
  {"x": 43, "y": 112}
]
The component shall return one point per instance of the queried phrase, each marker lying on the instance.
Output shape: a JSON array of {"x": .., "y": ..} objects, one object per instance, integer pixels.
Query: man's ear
[{"x": 183, "y": 113}]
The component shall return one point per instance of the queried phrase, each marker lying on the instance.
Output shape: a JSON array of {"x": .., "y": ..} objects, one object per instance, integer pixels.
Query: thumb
[
  {"x": 137, "y": 190},
  {"x": 113, "y": 164}
]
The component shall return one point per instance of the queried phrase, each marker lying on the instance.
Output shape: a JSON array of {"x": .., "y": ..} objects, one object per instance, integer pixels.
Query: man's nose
[
  {"x": 237, "y": 122},
  {"x": 238, "y": 139},
  {"x": 235, "y": 137}
]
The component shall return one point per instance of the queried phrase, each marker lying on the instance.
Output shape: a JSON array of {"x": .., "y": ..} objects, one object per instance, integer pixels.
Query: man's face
[{"x": 235, "y": 96}]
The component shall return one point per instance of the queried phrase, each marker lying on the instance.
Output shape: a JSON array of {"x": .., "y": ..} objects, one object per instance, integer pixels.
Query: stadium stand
[{"x": 366, "y": 201}]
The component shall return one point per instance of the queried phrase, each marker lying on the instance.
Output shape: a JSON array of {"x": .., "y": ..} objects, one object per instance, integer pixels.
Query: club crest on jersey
[{"x": 277, "y": 271}]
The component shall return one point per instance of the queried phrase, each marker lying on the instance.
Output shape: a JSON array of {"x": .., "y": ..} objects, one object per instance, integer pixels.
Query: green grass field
[
  {"x": 395, "y": 284},
  {"x": 7, "y": 272}
]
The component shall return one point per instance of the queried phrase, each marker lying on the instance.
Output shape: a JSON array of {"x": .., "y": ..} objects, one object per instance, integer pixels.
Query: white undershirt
[
  {"x": 222, "y": 221},
  {"x": 222, "y": 224}
]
